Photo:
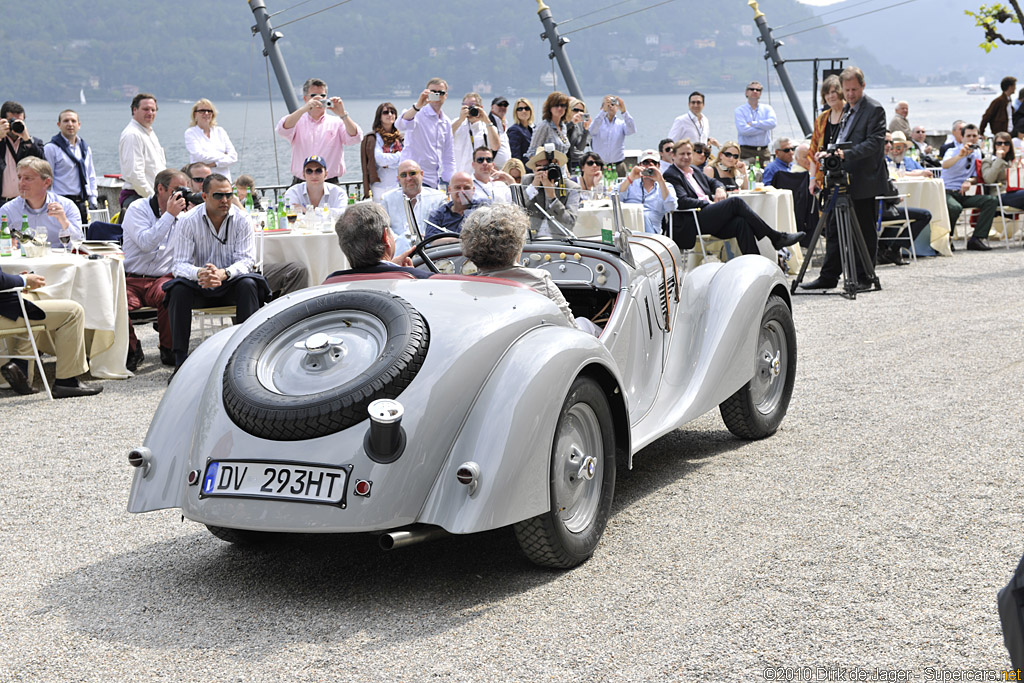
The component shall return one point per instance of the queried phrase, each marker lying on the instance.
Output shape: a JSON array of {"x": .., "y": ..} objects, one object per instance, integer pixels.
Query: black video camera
[
  {"x": 190, "y": 197},
  {"x": 832, "y": 164}
]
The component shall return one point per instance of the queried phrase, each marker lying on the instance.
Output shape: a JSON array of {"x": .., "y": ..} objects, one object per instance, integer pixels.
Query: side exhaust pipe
[{"x": 406, "y": 537}]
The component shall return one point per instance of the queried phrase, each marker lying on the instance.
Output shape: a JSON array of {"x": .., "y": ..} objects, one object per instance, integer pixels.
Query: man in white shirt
[
  {"x": 499, "y": 107},
  {"x": 491, "y": 185},
  {"x": 315, "y": 191},
  {"x": 693, "y": 125},
  {"x": 148, "y": 257},
  {"x": 139, "y": 151},
  {"x": 423, "y": 199},
  {"x": 472, "y": 129},
  {"x": 608, "y": 132},
  {"x": 47, "y": 212},
  {"x": 214, "y": 254},
  {"x": 70, "y": 158}
]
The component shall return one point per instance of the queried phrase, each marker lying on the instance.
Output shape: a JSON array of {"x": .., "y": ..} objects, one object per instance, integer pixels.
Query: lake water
[{"x": 251, "y": 124}]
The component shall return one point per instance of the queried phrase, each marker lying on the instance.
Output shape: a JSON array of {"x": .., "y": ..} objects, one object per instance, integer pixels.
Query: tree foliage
[{"x": 990, "y": 17}]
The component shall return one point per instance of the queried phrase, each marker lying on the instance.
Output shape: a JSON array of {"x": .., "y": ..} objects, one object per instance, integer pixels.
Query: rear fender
[
  {"x": 509, "y": 431},
  {"x": 170, "y": 433}
]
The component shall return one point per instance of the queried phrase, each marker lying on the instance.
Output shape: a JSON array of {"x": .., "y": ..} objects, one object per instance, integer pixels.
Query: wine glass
[{"x": 65, "y": 237}]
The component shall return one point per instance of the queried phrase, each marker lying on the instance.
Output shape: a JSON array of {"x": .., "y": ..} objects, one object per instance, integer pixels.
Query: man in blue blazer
[
  {"x": 365, "y": 236},
  {"x": 65, "y": 321},
  {"x": 721, "y": 216}
]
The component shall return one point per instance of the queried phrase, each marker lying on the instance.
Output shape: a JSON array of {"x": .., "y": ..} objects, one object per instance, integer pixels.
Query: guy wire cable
[
  {"x": 605, "y": 21},
  {"x": 839, "y": 21}
]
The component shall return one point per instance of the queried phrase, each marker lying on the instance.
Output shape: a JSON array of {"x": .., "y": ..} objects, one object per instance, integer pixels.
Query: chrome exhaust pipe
[{"x": 406, "y": 537}]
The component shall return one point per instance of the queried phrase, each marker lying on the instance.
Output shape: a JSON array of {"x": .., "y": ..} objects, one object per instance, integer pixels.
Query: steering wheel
[{"x": 420, "y": 249}]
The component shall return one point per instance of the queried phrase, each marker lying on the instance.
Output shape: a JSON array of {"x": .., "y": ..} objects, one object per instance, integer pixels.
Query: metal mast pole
[
  {"x": 557, "y": 41},
  {"x": 772, "y": 46},
  {"x": 270, "y": 49}
]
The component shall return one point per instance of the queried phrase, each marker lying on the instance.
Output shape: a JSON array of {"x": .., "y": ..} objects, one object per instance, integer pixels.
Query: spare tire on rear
[{"x": 276, "y": 388}]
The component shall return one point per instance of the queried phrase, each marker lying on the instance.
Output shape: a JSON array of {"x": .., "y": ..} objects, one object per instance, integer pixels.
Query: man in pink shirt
[{"x": 311, "y": 131}]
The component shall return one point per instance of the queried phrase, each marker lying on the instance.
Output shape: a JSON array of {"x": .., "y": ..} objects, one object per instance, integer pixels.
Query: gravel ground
[{"x": 873, "y": 530}]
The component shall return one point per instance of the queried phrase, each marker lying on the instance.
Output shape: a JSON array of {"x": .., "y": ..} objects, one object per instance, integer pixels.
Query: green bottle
[
  {"x": 5, "y": 238},
  {"x": 271, "y": 217}
]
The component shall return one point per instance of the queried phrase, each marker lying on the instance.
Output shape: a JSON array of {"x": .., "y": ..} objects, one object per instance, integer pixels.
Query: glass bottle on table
[{"x": 5, "y": 238}]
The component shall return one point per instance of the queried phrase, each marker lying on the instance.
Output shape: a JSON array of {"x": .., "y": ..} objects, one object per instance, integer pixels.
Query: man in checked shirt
[{"x": 214, "y": 254}]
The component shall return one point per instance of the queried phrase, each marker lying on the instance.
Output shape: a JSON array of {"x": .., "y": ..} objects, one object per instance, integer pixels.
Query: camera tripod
[{"x": 849, "y": 238}]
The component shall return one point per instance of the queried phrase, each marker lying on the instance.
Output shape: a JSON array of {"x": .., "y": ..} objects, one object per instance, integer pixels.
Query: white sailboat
[{"x": 81, "y": 95}]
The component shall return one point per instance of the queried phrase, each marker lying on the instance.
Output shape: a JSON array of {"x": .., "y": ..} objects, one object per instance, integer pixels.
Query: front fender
[
  {"x": 509, "y": 432},
  {"x": 170, "y": 433}
]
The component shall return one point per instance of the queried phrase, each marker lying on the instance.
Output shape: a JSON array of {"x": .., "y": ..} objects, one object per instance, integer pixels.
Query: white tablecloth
[
  {"x": 775, "y": 207},
  {"x": 319, "y": 252},
  {"x": 98, "y": 285},
  {"x": 930, "y": 194},
  {"x": 597, "y": 213}
]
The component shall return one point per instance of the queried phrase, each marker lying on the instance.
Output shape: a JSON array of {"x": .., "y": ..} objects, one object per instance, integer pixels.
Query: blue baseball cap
[{"x": 315, "y": 159}]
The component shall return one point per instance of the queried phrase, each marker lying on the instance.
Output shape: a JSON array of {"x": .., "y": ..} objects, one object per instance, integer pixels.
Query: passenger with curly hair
[{"x": 493, "y": 239}]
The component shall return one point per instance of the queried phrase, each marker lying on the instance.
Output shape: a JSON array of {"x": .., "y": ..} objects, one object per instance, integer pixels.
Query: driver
[
  {"x": 550, "y": 193},
  {"x": 368, "y": 243},
  {"x": 493, "y": 239}
]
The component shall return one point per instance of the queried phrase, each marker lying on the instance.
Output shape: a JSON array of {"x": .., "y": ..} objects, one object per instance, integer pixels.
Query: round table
[
  {"x": 318, "y": 251},
  {"x": 930, "y": 194}
]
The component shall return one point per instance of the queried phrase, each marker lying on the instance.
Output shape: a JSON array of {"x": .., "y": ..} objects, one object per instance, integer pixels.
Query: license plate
[{"x": 276, "y": 481}]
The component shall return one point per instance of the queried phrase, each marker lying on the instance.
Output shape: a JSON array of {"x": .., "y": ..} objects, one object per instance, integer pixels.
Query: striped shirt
[{"x": 196, "y": 243}]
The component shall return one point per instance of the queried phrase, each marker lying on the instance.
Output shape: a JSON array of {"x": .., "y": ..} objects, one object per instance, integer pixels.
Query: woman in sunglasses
[
  {"x": 521, "y": 132},
  {"x": 727, "y": 168},
  {"x": 207, "y": 142},
  {"x": 516, "y": 169},
  {"x": 553, "y": 130},
  {"x": 381, "y": 152},
  {"x": 592, "y": 173},
  {"x": 579, "y": 132},
  {"x": 994, "y": 166}
]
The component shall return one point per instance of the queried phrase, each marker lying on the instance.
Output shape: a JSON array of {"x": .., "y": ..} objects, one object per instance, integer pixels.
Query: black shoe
[
  {"x": 134, "y": 358},
  {"x": 59, "y": 391},
  {"x": 788, "y": 239},
  {"x": 975, "y": 244},
  {"x": 166, "y": 356},
  {"x": 863, "y": 287},
  {"x": 890, "y": 256},
  {"x": 819, "y": 284},
  {"x": 17, "y": 379}
]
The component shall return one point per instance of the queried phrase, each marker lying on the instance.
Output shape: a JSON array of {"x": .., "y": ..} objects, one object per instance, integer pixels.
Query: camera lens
[
  {"x": 474, "y": 111},
  {"x": 17, "y": 126}
]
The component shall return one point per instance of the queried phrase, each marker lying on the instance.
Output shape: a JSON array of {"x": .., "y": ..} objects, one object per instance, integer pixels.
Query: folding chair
[
  {"x": 1005, "y": 212},
  {"x": 31, "y": 328},
  {"x": 893, "y": 222}
]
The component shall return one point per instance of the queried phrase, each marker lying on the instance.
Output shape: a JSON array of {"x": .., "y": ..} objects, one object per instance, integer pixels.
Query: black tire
[
  {"x": 757, "y": 409},
  {"x": 568, "y": 533},
  {"x": 291, "y": 414},
  {"x": 241, "y": 537}
]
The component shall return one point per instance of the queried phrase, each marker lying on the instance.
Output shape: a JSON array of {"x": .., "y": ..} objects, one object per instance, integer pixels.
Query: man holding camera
[
  {"x": 70, "y": 158},
  {"x": 139, "y": 151},
  {"x": 608, "y": 132},
  {"x": 959, "y": 169},
  {"x": 311, "y": 131},
  {"x": 652, "y": 191},
  {"x": 862, "y": 128},
  {"x": 18, "y": 144},
  {"x": 428, "y": 134},
  {"x": 549, "y": 193},
  {"x": 473, "y": 129},
  {"x": 148, "y": 256}
]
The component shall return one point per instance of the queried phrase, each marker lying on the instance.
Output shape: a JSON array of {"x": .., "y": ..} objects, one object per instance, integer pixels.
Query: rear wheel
[
  {"x": 757, "y": 409},
  {"x": 582, "y": 482}
]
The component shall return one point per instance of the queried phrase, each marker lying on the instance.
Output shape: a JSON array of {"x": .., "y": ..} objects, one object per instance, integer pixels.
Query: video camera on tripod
[{"x": 832, "y": 165}]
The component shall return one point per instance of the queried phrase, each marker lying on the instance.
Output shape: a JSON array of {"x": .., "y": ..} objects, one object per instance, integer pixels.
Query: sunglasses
[
  {"x": 1002, "y": 144},
  {"x": 501, "y": 104},
  {"x": 221, "y": 196},
  {"x": 591, "y": 162},
  {"x": 198, "y": 180},
  {"x": 693, "y": 102},
  {"x": 793, "y": 149},
  {"x": 484, "y": 160},
  {"x": 559, "y": 106},
  {"x": 388, "y": 111},
  {"x": 408, "y": 174},
  {"x": 649, "y": 162},
  {"x": 522, "y": 109},
  {"x": 754, "y": 89},
  {"x": 730, "y": 155},
  {"x": 313, "y": 171},
  {"x": 204, "y": 111},
  {"x": 442, "y": 93},
  {"x": 577, "y": 111},
  {"x": 319, "y": 95}
]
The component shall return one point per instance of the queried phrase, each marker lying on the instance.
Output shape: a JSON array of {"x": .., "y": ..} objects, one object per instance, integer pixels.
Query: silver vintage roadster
[{"x": 415, "y": 408}]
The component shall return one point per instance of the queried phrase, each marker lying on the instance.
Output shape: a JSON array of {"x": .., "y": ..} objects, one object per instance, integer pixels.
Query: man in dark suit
[
  {"x": 64, "y": 319},
  {"x": 721, "y": 216},
  {"x": 365, "y": 236},
  {"x": 864, "y": 128}
]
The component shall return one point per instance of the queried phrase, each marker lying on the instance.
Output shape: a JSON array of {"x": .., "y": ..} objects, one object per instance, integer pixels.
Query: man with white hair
[
  {"x": 783, "y": 160},
  {"x": 802, "y": 160},
  {"x": 899, "y": 119}
]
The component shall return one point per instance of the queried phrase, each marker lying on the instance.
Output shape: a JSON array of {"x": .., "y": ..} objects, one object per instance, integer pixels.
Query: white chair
[
  {"x": 219, "y": 317},
  {"x": 1005, "y": 212},
  {"x": 30, "y": 329},
  {"x": 696, "y": 221},
  {"x": 881, "y": 224}
]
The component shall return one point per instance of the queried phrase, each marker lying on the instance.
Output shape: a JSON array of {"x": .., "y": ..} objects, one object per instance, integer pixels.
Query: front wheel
[
  {"x": 757, "y": 409},
  {"x": 582, "y": 482}
]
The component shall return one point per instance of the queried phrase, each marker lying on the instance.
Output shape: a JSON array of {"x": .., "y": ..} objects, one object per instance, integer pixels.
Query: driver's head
[
  {"x": 364, "y": 234},
  {"x": 494, "y": 235}
]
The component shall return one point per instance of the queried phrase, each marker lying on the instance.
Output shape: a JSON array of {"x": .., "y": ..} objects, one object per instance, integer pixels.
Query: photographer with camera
[
  {"x": 148, "y": 256},
  {"x": 310, "y": 131},
  {"x": 855, "y": 164},
  {"x": 18, "y": 144},
  {"x": 428, "y": 134},
  {"x": 474, "y": 129},
  {"x": 959, "y": 171},
  {"x": 652, "y": 191},
  {"x": 548, "y": 191},
  {"x": 608, "y": 132}
]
